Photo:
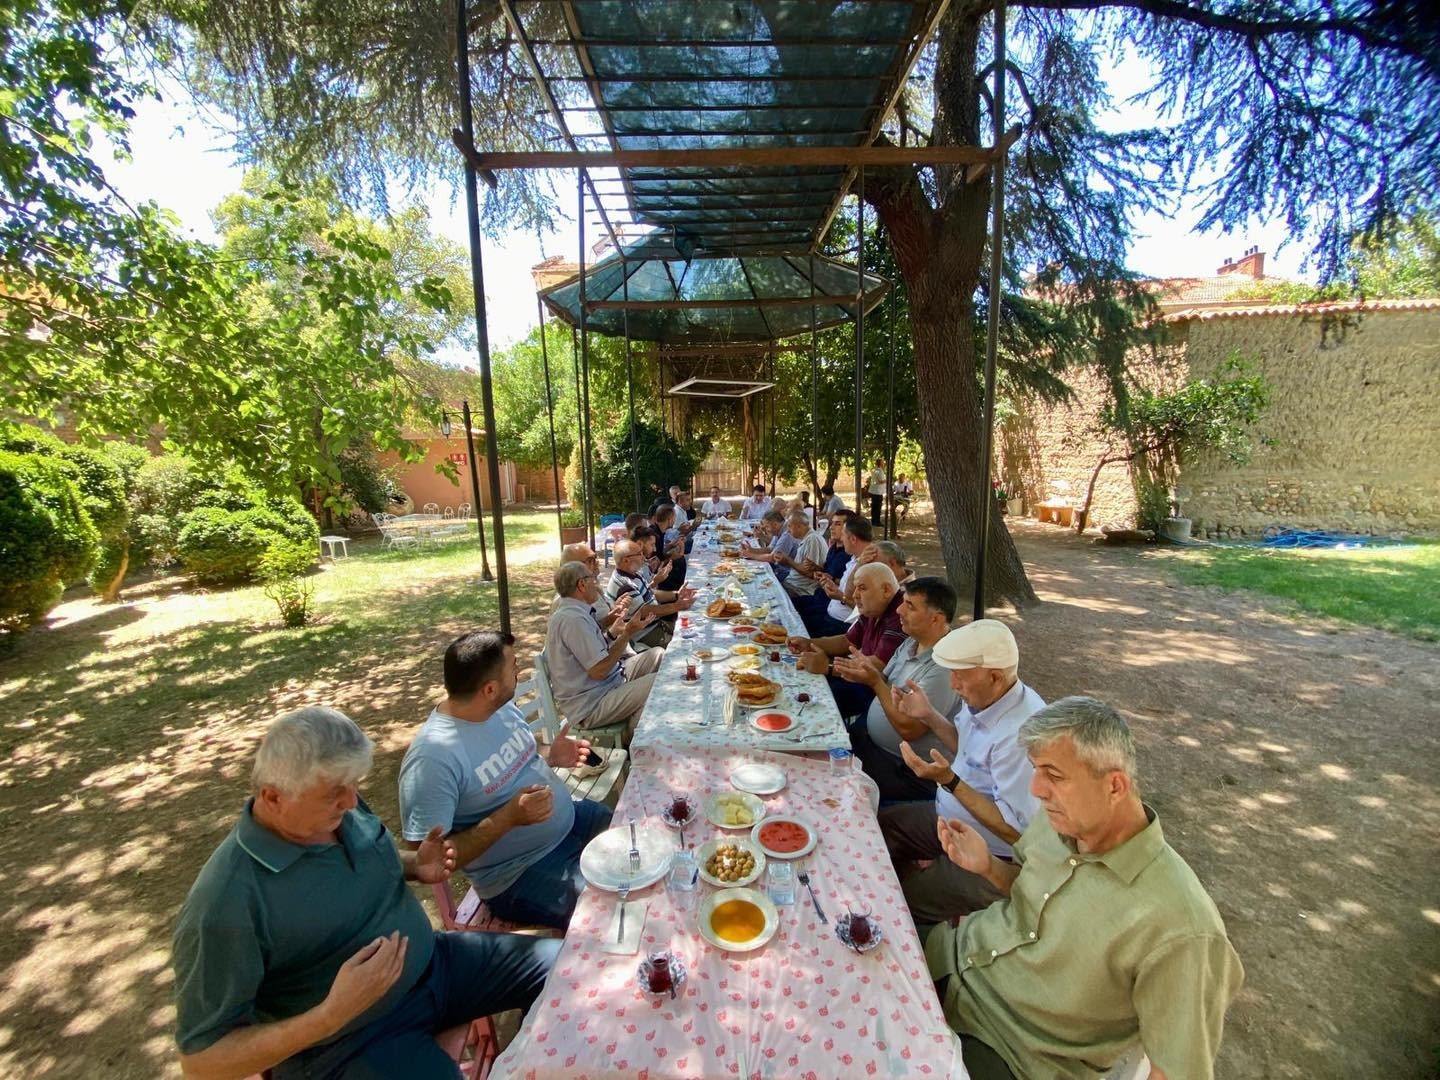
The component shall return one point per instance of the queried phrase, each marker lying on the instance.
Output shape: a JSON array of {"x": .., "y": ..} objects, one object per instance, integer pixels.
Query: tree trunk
[
  {"x": 111, "y": 592},
  {"x": 940, "y": 255}
]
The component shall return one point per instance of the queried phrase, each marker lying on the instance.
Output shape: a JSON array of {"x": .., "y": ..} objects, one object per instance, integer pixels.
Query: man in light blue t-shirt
[{"x": 475, "y": 769}]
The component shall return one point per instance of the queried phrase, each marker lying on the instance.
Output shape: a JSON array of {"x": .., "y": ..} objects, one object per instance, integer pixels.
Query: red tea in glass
[
  {"x": 860, "y": 932},
  {"x": 774, "y": 656},
  {"x": 680, "y": 808},
  {"x": 661, "y": 981},
  {"x": 692, "y": 671}
]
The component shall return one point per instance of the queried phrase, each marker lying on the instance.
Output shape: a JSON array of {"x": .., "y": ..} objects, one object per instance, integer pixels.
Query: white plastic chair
[
  {"x": 464, "y": 511},
  {"x": 448, "y": 512},
  {"x": 1133, "y": 1066},
  {"x": 430, "y": 508},
  {"x": 609, "y": 735}
]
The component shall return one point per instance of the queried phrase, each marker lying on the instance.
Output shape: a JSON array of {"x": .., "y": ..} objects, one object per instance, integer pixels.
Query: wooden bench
[{"x": 1060, "y": 513}]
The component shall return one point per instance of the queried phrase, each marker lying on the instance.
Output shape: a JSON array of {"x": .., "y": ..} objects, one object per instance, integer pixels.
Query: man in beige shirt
[{"x": 1104, "y": 940}]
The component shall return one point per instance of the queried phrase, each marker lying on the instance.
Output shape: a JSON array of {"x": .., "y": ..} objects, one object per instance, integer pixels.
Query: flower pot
[
  {"x": 1013, "y": 507},
  {"x": 574, "y": 534},
  {"x": 1176, "y": 529}
]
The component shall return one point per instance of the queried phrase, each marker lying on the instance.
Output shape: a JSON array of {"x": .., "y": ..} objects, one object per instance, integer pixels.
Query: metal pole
[
  {"x": 814, "y": 388},
  {"x": 890, "y": 434},
  {"x": 482, "y": 330},
  {"x": 475, "y": 487},
  {"x": 630, "y": 384},
  {"x": 580, "y": 448},
  {"x": 585, "y": 369},
  {"x": 992, "y": 327},
  {"x": 860, "y": 493},
  {"x": 550, "y": 414}
]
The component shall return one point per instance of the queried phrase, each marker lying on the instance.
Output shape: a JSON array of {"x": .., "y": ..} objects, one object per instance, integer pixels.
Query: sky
[{"x": 181, "y": 161}]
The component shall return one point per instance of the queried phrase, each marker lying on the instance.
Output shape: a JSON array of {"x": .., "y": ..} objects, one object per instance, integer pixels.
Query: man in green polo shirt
[
  {"x": 300, "y": 948},
  {"x": 1105, "y": 938}
]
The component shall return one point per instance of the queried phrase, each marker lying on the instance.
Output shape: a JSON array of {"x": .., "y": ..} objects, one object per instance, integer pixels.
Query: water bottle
[
  {"x": 780, "y": 882},
  {"x": 840, "y": 761}
]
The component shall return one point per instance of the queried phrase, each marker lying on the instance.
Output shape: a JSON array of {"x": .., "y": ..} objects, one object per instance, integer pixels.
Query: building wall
[
  {"x": 424, "y": 485},
  {"x": 1354, "y": 416}
]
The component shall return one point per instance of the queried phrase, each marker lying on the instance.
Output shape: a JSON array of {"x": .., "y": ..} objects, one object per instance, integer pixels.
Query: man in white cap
[{"x": 983, "y": 773}]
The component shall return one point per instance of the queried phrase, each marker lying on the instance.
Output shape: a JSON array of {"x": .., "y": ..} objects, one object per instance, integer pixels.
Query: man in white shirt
[
  {"x": 715, "y": 506},
  {"x": 982, "y": 770},
  {"x": 835, "y": 619},
  {"x": 876, "y": 486},
  {"x": 757, "y": 506},
  {"x": 807, "y": 562}
]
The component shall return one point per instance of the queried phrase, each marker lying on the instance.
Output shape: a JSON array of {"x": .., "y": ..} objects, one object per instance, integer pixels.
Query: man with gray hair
[
  {"x": 596, "y": 681},
  {"x": 300, "y": 949},
  {"x": 1105, "y": 938},
  {"x": 973, "y": 757}
]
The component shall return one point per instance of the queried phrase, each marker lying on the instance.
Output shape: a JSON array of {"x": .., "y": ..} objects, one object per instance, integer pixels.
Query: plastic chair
[
  {"x": 611, "y": 519},
  {"x": 464, "y": 510},
  {"x": 610, "y": 735},
  {"x": 448, "y": 512},
  {"x": 430, "y": 508}
]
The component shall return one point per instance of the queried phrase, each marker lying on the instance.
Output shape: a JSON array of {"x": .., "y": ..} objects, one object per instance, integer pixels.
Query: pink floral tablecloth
[{"x": 802, "y": 1006}]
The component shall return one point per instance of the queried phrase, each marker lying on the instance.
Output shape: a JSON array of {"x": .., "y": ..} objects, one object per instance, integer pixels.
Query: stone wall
[{"x": 1354, "y": 419}]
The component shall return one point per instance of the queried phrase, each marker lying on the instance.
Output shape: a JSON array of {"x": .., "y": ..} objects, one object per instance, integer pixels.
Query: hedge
[{"x": 46, "y": 537}]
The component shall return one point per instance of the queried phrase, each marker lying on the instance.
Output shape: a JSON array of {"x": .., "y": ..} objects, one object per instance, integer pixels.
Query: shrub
[
  {"x": 165, "y": 489},
  {"x": 221, "y": 546},
  {"x": 280, "y": 569},
  {"x": 46, "y": 537},
  {"x": 363, "y": 480},
  {"x": 663, "y": 460}
]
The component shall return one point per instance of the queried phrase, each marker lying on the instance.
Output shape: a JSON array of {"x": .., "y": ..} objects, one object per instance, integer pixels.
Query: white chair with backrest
[
  {"x": 608, "y": 736},
  {"x": 1133, "y": 1066},
  {"x": 538, "y": 708},
  {"x": 465, "y": 509},
  {"x": 430, "y": 508},
  {"x": 448, "y": 512}
]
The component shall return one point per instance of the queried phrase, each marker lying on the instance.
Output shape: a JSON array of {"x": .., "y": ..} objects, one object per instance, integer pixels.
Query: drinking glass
[{"x": 780, "y": 881}]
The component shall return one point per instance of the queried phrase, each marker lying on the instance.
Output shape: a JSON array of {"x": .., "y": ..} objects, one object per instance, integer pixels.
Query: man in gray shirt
[
  {"x": 596, "y": 681},
  {"x": 925, "y": 614},
  {"x": 475, "y": 770}
]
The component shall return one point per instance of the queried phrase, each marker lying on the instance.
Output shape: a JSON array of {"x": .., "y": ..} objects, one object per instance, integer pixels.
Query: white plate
[
  {"x": 809, "y": 846},
  {"x": 775, "y": 704},
  {"x": 712, "y": 809},
  {"x": 717, "y": 652},
  {"x": 755, "y": 722},
  {"x": 758, "y": 778},
  {"x": 705, "y": 850},
  {"x": 759, "y": 899},
  {"x": 605, "y": 862}
]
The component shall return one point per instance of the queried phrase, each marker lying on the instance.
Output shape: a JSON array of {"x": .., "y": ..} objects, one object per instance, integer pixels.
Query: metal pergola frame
[{"x": 753, "y": 161}]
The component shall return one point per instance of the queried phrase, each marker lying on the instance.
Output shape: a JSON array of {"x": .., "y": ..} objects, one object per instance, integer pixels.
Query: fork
[
  {"x": 805, "y": 880},
  {"x": 634, "y": 850}
]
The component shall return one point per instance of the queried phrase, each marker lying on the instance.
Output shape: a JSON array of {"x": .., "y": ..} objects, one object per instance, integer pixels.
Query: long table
[
  {"x": 802, "y": 1006},
  {"x": 680, "y": 714}
]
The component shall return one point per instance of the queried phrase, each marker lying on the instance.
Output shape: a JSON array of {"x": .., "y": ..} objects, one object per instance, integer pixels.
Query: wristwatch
[{"x": 951, "y": 784}]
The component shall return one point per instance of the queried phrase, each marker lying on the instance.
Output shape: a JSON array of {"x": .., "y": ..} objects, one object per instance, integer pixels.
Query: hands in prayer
[
  {"x": 936, "y": 769},
  {"x": 434, "y": 858},
  {"x": 366, "y": 976},
  {"x": 963, "y": 845},
  {"x": 566, "y": 752},
  {"x": 530, "y": 805}
]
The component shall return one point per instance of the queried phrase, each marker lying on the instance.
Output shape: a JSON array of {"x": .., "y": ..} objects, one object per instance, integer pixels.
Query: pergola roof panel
[{"x": 736, "y": 74}]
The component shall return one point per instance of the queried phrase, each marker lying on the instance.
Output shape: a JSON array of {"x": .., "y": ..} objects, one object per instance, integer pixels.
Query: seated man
[
  {"x": 904, "y": 492},
  {"x": 475, "y": 770},
  {"x": 301, "y": 950},
  {"x": 669, "y": 547},
  {"x": 988, "y": 787},
  {"x": 596, "y": 681},
  {"x": 839, "y": 612},
  {"x": 686, "y": 520},
  {"x": 874, "y": 636},
  {"x": 628, "y": 579},
  {"x": 605, "y": 612},
  {"x": 892, "y": 555},
  {"x": 1104, "y": 938},
  {"x": 836, "y": 559},
  {"x": 830, "y": 503},
  {"x": 780, "y": 544},
  {"x": 715, "y": 506},
  {"x": 807, "y": 562},
  {"x": 755, "y": 507},
  {"x": 926, "y": 607}
]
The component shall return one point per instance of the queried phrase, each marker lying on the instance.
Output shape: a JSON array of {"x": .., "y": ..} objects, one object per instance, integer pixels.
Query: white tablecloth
[{"x": 680, "y": 714}]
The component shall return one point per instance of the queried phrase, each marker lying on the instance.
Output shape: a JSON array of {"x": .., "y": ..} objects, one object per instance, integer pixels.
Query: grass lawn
[{"x": 1394, "y": 588}]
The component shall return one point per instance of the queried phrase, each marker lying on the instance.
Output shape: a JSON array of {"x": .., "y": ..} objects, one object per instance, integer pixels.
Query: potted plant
[
  {"x": 572, "y": 526},
  {"x": 1003, "y": 499}
]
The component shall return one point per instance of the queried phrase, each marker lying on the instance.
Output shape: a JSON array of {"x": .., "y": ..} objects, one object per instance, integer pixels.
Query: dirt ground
[{"x": 1293, "y": 763}]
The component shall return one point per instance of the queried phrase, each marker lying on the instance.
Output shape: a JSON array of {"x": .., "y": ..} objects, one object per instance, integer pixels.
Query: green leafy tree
[
  {"x": 662, "y": 460},
  {"x": 1160, "y": 430}
]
